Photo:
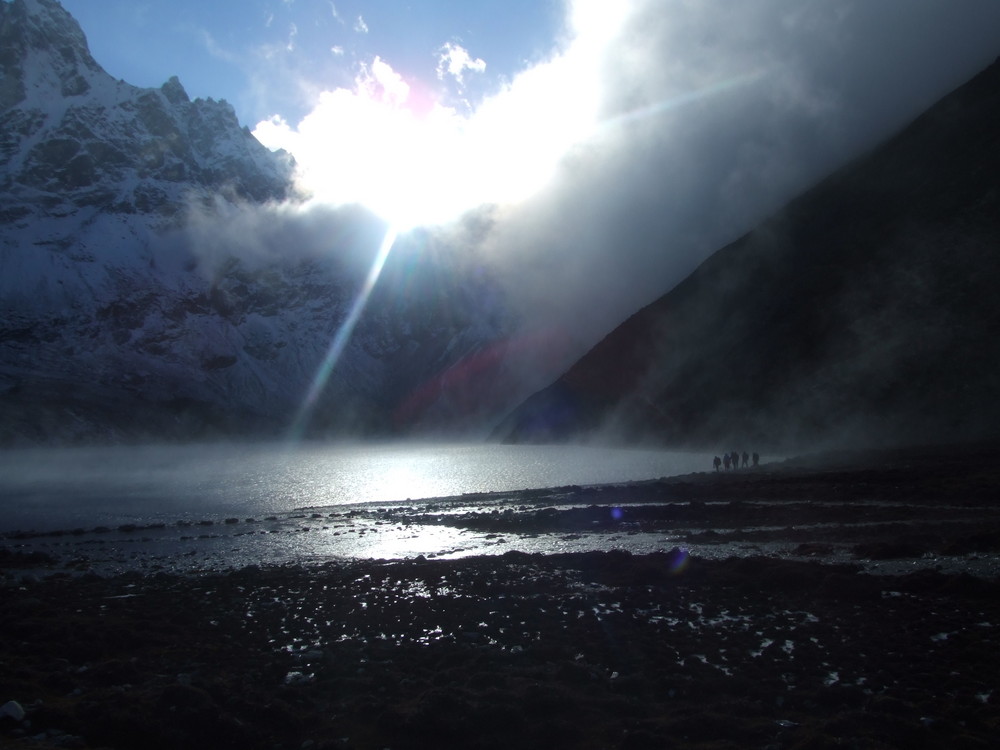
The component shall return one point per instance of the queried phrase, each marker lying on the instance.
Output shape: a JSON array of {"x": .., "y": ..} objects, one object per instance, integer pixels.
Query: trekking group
[{"x": 732, "y": 460}]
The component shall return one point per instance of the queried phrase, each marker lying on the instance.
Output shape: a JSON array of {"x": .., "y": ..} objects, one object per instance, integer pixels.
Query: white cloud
[
  {"x": 654, "y": 133},
  {"x": 382, "y": 78},
  {"x": 293, "y": 32},
  {"x": 215, "y": 49},
  {"x": 360, "y": 26},
  {"x": 337, "y": 50},
  {"x": 414, "y": 165},
  {"x": 454, "y": 60}
]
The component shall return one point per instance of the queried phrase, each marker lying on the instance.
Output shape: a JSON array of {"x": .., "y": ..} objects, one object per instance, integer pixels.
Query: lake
[{"x": 66, "y": 488}]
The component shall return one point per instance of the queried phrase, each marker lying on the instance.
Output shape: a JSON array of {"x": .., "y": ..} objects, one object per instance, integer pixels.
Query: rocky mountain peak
[
  {"x": 30, "y": 29},
  {"x": 74, "y": 139},
  {"x": 174, "y": 91}
]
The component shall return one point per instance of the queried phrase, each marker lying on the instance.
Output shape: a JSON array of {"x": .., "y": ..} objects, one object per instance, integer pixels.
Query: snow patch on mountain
[{"x": 158, "y": 278}]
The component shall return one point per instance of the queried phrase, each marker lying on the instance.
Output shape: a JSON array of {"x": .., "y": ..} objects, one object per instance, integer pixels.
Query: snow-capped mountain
[
  {"x": 75, "y": 137},
  {"x": 157, "y": 279}
]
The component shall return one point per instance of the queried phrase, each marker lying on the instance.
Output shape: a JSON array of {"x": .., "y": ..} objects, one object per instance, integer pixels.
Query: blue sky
[{"x": 264, "y": 56}]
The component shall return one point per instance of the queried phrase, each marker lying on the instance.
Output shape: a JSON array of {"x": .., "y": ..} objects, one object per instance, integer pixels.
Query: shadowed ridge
[{"x": 863, "y": 308}]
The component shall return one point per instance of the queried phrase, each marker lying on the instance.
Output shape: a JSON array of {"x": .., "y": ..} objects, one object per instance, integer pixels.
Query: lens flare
[
  {"x": 342, "y": 337},
  {"x": 679, "y": 560}
]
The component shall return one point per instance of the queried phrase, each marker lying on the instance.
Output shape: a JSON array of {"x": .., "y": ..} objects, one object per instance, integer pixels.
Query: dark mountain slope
[{"x": 868, "y": 309}]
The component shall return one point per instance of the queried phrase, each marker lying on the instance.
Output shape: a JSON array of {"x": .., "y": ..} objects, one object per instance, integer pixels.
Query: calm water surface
[
  {"x": 81, "y": 487},
  {"x": 217, "y": 507}
]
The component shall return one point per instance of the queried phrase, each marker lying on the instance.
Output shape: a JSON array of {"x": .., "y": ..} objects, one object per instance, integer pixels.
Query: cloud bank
[
  {"x": 417, "y": 158},
  {"x": 655, "y": 131}
]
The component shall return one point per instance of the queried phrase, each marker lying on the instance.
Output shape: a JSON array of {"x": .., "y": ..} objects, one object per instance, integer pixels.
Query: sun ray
[
  {"x": 684, "y": 99},
  {"x": 341, "y": 339}
]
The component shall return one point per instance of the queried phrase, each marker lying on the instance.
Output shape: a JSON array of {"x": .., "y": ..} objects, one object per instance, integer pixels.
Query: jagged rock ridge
[{"x": 73, "y": 136}]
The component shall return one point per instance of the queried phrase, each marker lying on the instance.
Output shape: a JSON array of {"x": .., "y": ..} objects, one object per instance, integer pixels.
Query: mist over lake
[{"x": 71, "y": 487}]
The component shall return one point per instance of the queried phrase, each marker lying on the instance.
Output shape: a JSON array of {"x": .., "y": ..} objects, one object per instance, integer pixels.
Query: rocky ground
[{"x": 585, "y": 650}]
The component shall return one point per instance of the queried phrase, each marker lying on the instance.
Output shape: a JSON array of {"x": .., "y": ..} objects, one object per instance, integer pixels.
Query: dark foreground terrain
[{"x": 584, "y": 650}]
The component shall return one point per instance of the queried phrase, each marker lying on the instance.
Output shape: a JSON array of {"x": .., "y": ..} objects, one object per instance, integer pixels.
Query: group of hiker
[{"x": 732, "y": 460}]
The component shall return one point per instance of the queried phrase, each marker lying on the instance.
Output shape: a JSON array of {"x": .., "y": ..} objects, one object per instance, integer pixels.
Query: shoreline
[
  {"x": 594, "y": 649},
  {"x": 894, "y": 510}
]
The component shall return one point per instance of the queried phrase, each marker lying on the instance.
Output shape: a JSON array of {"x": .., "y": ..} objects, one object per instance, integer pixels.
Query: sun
[
  {"x": 418, "y": 162},
  {"x": 369, "y": 146}
]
